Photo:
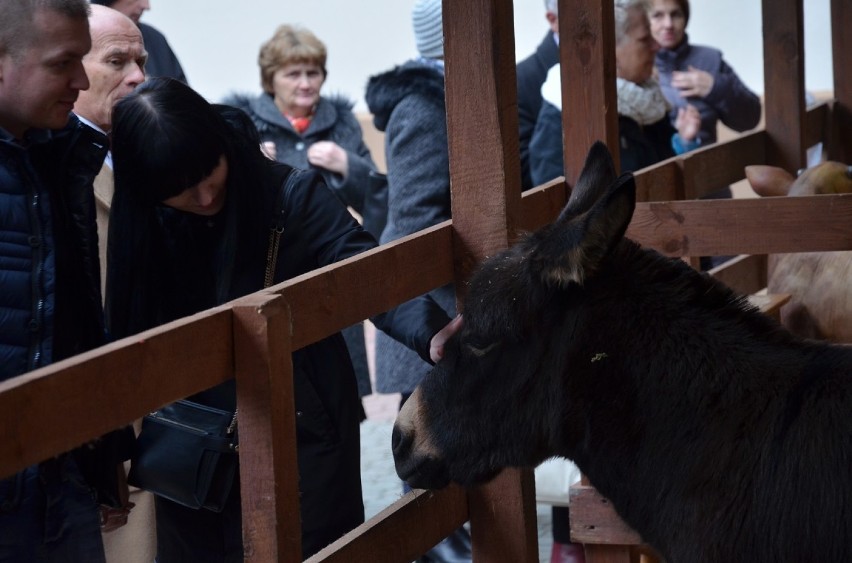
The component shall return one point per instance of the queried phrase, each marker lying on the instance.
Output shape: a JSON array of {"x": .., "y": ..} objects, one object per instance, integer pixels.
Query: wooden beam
[
  {"x": 403, "y": 531},
  {"x": 269, "y": 473},
  {"x": 482, "y": 127},
  {"x": 784, "y": 82},
  {"x": 841, "y": 41},
  {"x": 321, "y": 301},
  {"x": 589, "y": 103},
  {"x": 745, "y": 273},
  {"x": 503, "y": 518},
  {"x": 595, "y": 521},
  {"x": 744, "y": 226},
  {"x": 56, "y": 408}
]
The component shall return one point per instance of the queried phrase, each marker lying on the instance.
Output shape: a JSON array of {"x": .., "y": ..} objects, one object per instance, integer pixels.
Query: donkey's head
[{"x": 498, "y": 398}]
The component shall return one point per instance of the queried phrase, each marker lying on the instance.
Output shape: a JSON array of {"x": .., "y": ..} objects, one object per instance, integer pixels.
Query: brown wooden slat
[
  {"x": 403, "y": 531},
  {"x": 589, "y": 103},
  {"x": 56, "y": 408},
  {"x": 841, "y": 41},
  {"x": 609, "y": 554},
  {"x": 660, "y": 182},
  {"x": 269, "y": 474},
  {"x": 482, "y": 127},
  {"x": 745, "y": 274},
  {"x": 744, "y": 226},
  {"x": 784, "y": 82},
  {"x": 505, "y": 507},
  {"x": 711, "y": 168},
  {"x": 595, "y": 521},
  {"x": 322, "y": 301},
  {"x": 817, "y": 124},
  {"x": 542, "y": 205}
]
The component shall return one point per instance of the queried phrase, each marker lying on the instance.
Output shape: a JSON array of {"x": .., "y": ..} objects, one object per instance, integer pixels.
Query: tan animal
[{"x": 820, "y": 283}]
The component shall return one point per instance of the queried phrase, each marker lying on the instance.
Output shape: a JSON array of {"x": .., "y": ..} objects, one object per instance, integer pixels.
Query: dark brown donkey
[{"x": 716, "y": 434}]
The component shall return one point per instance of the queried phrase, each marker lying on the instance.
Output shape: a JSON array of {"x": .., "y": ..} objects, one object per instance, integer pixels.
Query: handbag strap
[
  {"x": 293, "y": 176},
  {"x": 272, "y": 253}
]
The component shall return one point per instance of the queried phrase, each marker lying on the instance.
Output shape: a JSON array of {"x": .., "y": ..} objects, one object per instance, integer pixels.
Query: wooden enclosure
[{"x": 54, "y": 409}]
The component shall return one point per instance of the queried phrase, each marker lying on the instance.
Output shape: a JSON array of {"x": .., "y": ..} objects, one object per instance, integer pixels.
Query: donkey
[{"x": 715, "y": 433}]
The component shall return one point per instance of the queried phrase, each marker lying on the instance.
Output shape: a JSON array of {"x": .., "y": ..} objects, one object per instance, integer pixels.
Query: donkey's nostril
[{"x": 399, "y": 442}]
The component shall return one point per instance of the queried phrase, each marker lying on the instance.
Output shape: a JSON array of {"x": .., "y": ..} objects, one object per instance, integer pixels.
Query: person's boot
[{"x": 567, "y": 553}]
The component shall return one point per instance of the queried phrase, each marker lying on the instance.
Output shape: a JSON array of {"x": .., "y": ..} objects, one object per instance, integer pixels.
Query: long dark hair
[{"x": 165, "y": 139}]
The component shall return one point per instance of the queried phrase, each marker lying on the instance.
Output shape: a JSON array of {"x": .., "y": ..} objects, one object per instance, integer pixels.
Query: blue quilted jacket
[{"x": 47, "y": 232}]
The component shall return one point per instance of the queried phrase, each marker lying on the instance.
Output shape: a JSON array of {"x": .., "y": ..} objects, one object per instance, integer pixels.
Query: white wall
[{"x": 217, "y": 41}]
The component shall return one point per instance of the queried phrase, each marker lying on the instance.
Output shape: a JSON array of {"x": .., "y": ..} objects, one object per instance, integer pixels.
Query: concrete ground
[{"x": 380, "y": 483}]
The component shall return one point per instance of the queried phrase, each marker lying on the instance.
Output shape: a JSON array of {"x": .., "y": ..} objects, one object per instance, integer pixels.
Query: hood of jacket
[{"x": 386, "y": 90}]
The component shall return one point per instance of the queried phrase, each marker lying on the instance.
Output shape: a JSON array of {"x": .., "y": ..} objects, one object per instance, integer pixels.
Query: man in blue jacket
[{"x": 50, "y": 300}]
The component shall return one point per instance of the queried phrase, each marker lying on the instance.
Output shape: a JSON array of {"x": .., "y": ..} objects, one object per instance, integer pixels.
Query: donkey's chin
[{"x": 422, "y": 472}]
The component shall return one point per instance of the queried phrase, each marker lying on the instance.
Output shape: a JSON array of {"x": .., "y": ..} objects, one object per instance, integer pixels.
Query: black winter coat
[
  {"x": 50, "y": 291},
  {"x": 318, "y": 230}
]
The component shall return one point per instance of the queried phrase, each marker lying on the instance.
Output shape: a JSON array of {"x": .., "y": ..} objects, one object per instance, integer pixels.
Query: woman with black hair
[{"x": 194, "y": 203}]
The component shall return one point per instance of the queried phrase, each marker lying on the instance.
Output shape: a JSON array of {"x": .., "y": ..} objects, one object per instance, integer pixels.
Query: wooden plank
[
  {"x": 321, "y": 301},
  {"x": 660, "y": 182},
  {"x": 784, "y": 82},
  {"x": 56, "y": 408},
  {"x": 541, "y": 205},
  {"x": 841, "y": 42},
  {"x": 503, "y": 518},
  {"x": 482, "y": 127},
  {"x": 595, "y": 521},
  {"x": 403, "y": 531},
  {"x": 744, "y": 226},
  {"x": 745, "y": 274},
  {"x": 711, "y": 168},
  {"x": 589, "y": 103},
  {"x": 818, "y": 124},
  {"x": 269, "y": 473},
  {"x": 770, "y": 304},
  {"x": 608, "y": 554}
]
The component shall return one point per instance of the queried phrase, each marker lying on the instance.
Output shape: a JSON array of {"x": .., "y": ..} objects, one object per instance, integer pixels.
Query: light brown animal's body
[{"x": 820, "y": 283}]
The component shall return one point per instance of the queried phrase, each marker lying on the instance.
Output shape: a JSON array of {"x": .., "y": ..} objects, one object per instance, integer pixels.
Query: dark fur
[{"x": 717, "y": 435}]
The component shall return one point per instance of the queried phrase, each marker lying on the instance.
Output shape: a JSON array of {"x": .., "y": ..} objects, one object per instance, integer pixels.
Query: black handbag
[{"x": 187, "y": 453}]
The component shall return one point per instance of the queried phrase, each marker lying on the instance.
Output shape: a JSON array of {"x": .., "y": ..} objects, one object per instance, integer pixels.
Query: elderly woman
[
  {"x": 304, "y": 129},
  {"x": 698, "y": 75},
  {"x": 645, "y": 134}
]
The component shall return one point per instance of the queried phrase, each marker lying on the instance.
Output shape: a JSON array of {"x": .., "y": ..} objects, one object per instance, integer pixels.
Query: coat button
[{"x": 300, "y": 146}]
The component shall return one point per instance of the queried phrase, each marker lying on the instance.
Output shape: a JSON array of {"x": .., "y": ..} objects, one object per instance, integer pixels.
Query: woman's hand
[
  {"x": 692, "y": 82},
  {"x": 688, "y": 123},
  {"x": 436, "y": 347},
  {"x": 329, "y": 155}
]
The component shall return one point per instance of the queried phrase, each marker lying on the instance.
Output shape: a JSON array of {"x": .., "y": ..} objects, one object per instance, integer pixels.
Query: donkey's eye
[{"x": 481, "y": 351}]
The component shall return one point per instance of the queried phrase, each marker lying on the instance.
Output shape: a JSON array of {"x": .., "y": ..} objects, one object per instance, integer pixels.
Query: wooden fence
[{"x": 56, "y": 408}]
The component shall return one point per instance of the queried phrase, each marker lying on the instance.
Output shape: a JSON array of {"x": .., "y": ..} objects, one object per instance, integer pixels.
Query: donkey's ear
[
  {"x": 571, "y": 250},
  {"x": 597, "y": 176}
]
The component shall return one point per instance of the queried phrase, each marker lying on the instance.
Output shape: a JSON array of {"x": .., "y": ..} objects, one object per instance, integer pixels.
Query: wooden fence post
[
  {"x": 784, "y": 83},
  {"x": 485, "y": 181},
  {"x": 589, "y": 103},
  {"x": 267, "y": 430},
  {"x": 841, "y": 20}
]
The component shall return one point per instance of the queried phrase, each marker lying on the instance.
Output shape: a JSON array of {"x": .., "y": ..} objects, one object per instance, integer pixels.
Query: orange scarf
[{"x": 300, "y": 124}]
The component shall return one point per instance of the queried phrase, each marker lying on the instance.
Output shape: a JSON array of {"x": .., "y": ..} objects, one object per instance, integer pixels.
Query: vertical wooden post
[
  {"x": 485, "y": 181},
  {"x": 267, "y": 428},
  {"x": 482, "y": 127},
  {"x": 784, "y": 82},
  {"x": 589, "y": 103},
  {"x": 841, "y": 41}
]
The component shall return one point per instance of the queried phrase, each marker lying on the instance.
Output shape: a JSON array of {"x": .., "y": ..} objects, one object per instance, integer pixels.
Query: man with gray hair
[
  {"x": 50, "y": 300},
  {"x": 531, "y": 74}
]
